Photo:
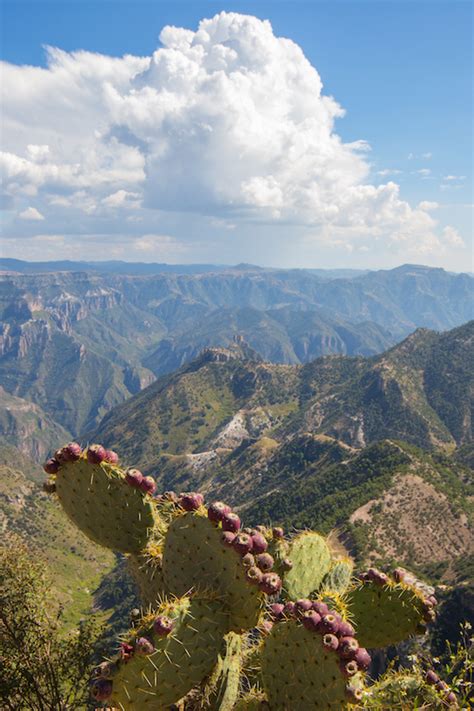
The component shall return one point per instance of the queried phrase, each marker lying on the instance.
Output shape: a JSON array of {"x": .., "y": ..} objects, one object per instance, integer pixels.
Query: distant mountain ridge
[
  {"x": 340, "y": 442},
  {"x": 76, "y": 344}
]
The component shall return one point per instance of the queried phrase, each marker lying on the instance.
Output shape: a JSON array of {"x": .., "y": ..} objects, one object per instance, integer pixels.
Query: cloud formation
[{"x": 228, "y": 122}]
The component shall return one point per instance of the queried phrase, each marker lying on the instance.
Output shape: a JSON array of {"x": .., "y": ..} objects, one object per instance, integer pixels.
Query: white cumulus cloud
[
  {"x": 229, "y": 122},
  {"x": 31, "y": 213}
]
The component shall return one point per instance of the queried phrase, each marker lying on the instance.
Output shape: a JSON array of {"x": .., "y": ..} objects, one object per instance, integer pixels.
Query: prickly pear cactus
[
  {"x": 222, "y": 688},
  {"x": 385, "y": 612},
  {"x": 98, "y": 499},
  {"x": 304, "y": 667},
  {"x": 339, "y": 576},
  {"x": 195, "y": 556},
  {"x": 310, "y": 560},
  {"x": 146, "y": 570},
  {"x": 168, "y": 654},
  {"x": 403, "y": 690}
]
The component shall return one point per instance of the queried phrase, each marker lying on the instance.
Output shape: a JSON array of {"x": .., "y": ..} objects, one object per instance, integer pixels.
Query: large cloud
[{"x": 228, "y": 122}]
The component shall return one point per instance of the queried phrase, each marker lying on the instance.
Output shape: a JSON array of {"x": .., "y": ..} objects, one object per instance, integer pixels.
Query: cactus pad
[
  {"x": 194, "y": 557},
  {"x": 180, "y": 660},
  {"x": 311, "y": 561},
  {"x": 339, "y": 576},
  {"x": 146, "y": 570},
  {"x": 300, "y": 673},
  {"x": 385, "y": 614},
  {"x": 222, "y": 689},
  {"x": 253, "y": 701},
  {"x": 99, "y": 501}
]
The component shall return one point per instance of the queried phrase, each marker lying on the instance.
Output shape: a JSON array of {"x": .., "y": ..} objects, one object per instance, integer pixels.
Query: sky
[{"x": 288, "y": 133}]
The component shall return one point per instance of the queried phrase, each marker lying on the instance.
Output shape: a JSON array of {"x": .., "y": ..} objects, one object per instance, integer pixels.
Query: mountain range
[{"x": 74, "y": 344}]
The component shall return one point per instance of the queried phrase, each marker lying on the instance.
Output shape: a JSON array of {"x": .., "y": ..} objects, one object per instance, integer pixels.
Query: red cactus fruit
[
  {"x": 271, "y": 583},
  {"x": 126, "y": 651},
  {"x": 330, "y": 641},
  {"x": 398, "y": 575},
  {"x": 243, "y": 543},
  {"x": 148, "y": 485},
  {"x": 217, "y": 510},
  {"x": 431, "y": 677},
  {"x": 248, "y": 561},
  {"x": 95, "y": 454},
  {"x": 286, "y": 564},
  {"x": 260, "y": 544},
  {"x": 227, "y": 538},
  {"x": 363, "y": 658},
  {"x": 111, "y": 457},
  {"x": 329, "y": 624},
  {"x": 320, "y": 607},
  {"x": 163, "y": 626},
  {"x": 144, "y": 646},
  {"x": 265, "y": 562},
  {"x": 278, "y": 532},
  {"x": 101, "y": 689},
  {"x": 51, "y": 466},
  {"x": 348, "y": 646},
  {"x": 348, "y": 668},
  {"x": 254, "y": 575},
  {"x": 277, "y": 610},
  {"x": 70, "y": 453},
  {"x": 231, "y": 522},
  {"x": 311, "y": 620},
  {"x": 302, "y": 606},
  {"x": 290, "y": 609},
  {"x": 345, "y": 629},
  {"x": 191, "y": 501}
]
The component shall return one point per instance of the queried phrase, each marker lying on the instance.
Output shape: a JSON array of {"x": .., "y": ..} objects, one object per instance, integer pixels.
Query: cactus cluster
[{"x": 233, "y": 617}]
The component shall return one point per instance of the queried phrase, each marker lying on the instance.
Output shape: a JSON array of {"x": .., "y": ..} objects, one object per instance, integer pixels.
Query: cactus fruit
[
  {"x": 98, "y": 500},
  {"x": 311, "y": 560},
  {"x": 313, "y": 679},
  {"x": 182, "y": 657},
  {"x": 194, "y": 557},
  {"x": 386, "y": 613}
]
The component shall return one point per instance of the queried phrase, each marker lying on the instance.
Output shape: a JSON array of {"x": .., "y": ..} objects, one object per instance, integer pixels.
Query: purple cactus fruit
[
  {"x": 227, "y": 538},
  {"x": 441, "y": 685},
  {"x": 290, "y": 609},
  {"x": 451, "y": 698},
  {"x": 271, "y": 583},
  {"x": 265, "y": 562},
  {"x": 320, "y": 607},
  {"x": 431, "y": 677},
  {"x": 277, "y": 610},
  {"x": 231, "y": 522},
  {"x": 354, "y": 695},
  {"x": 243, "y": 543},
  {"x": 51, "y": 466},
  {"x": 348, "y": 646},
  {"x": 126, "y": 651},
  {"x": 217, "y": 510},
  {"x": 71, "y": 452},
  {"x": 348, "y": 669},
  {"x": 330, "y": 641},
  {"x": 95, "y": 454},
  {"x": 191, "y": 501},
  {"x": 329, "y": 624},
  {"x": 278, "y": 532},
  {"x": 148, "y": 485},
  {"x": 345, "y": 629},
  {"x": 101, "y": 689},
  {"x": 286, "y": 564},
  {"x": 111, "y": 457},
  {"x": 398, "y": 575},
  {"x": 377, "y": 576},
  {"x": 260, "y": 544},
  {"x": 311, "y": 620},
  {"x": 248, "y": 561},
  {"x": 60, "y": 455},
  {"x": 254, "y": 575},
  {"x": 49, "y": 486},
  {"x": 266, "y": 626},
  {"x": 362, "y": 658},
  {"x": 144, "y": 646},
  {"x": 163, "y": 626},
  {"x": 302, "y": 606}
]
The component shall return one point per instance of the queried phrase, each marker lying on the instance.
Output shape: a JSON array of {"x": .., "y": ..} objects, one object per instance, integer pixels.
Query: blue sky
[{"x": 400, "y": 69}]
